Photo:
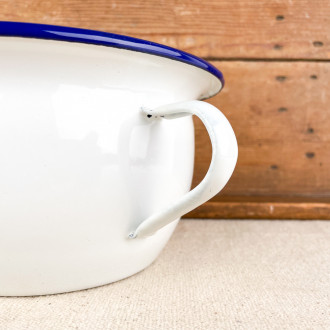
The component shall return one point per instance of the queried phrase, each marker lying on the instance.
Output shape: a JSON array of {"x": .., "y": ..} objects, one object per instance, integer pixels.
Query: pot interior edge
[{"x": 94, "y": 65}]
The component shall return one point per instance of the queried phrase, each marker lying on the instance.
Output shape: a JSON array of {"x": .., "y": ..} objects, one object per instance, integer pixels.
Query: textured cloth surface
[{"x": 212, "y": 275}]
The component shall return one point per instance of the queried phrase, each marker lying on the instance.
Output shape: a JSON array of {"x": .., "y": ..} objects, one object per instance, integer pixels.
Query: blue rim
[{"x": 61, "y": 33}]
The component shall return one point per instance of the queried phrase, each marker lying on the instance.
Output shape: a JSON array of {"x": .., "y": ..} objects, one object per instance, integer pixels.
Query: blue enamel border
[{"x": 61, "y": 33}]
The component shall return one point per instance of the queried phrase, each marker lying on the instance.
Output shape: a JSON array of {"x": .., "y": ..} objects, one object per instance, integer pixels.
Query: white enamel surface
[{"x": 81, "y": 167}]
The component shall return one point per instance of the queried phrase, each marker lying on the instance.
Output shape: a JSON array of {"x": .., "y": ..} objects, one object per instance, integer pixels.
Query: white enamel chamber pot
[{"x": 97, "y": 153}]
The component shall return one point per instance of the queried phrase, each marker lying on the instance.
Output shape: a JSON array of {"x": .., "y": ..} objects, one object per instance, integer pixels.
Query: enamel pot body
[{"x": 84, "y": 162}]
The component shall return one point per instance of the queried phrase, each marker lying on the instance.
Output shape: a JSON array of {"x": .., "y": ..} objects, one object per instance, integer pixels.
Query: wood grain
[
  {"x": 282, "y": 128},
  {"x": 212, "y": 28},
  {"x": 259, "y": 207}
]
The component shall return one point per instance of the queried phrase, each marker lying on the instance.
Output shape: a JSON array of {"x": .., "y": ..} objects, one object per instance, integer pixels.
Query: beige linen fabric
[{"x": 212, "y": 275}]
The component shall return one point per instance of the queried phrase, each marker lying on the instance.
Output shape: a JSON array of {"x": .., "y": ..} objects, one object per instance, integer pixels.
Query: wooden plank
[
  {"x": 280, "y": 113},
  {"x": 243, "y": 207},
  {"x": 212, "y": 28}
]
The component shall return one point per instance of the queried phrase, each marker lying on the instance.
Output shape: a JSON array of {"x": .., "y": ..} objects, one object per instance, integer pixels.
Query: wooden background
[{"x": 275, "y": 58}]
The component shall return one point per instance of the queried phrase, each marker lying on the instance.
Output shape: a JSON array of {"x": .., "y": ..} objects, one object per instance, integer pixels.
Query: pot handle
[{"x": 224, "y": 157}]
